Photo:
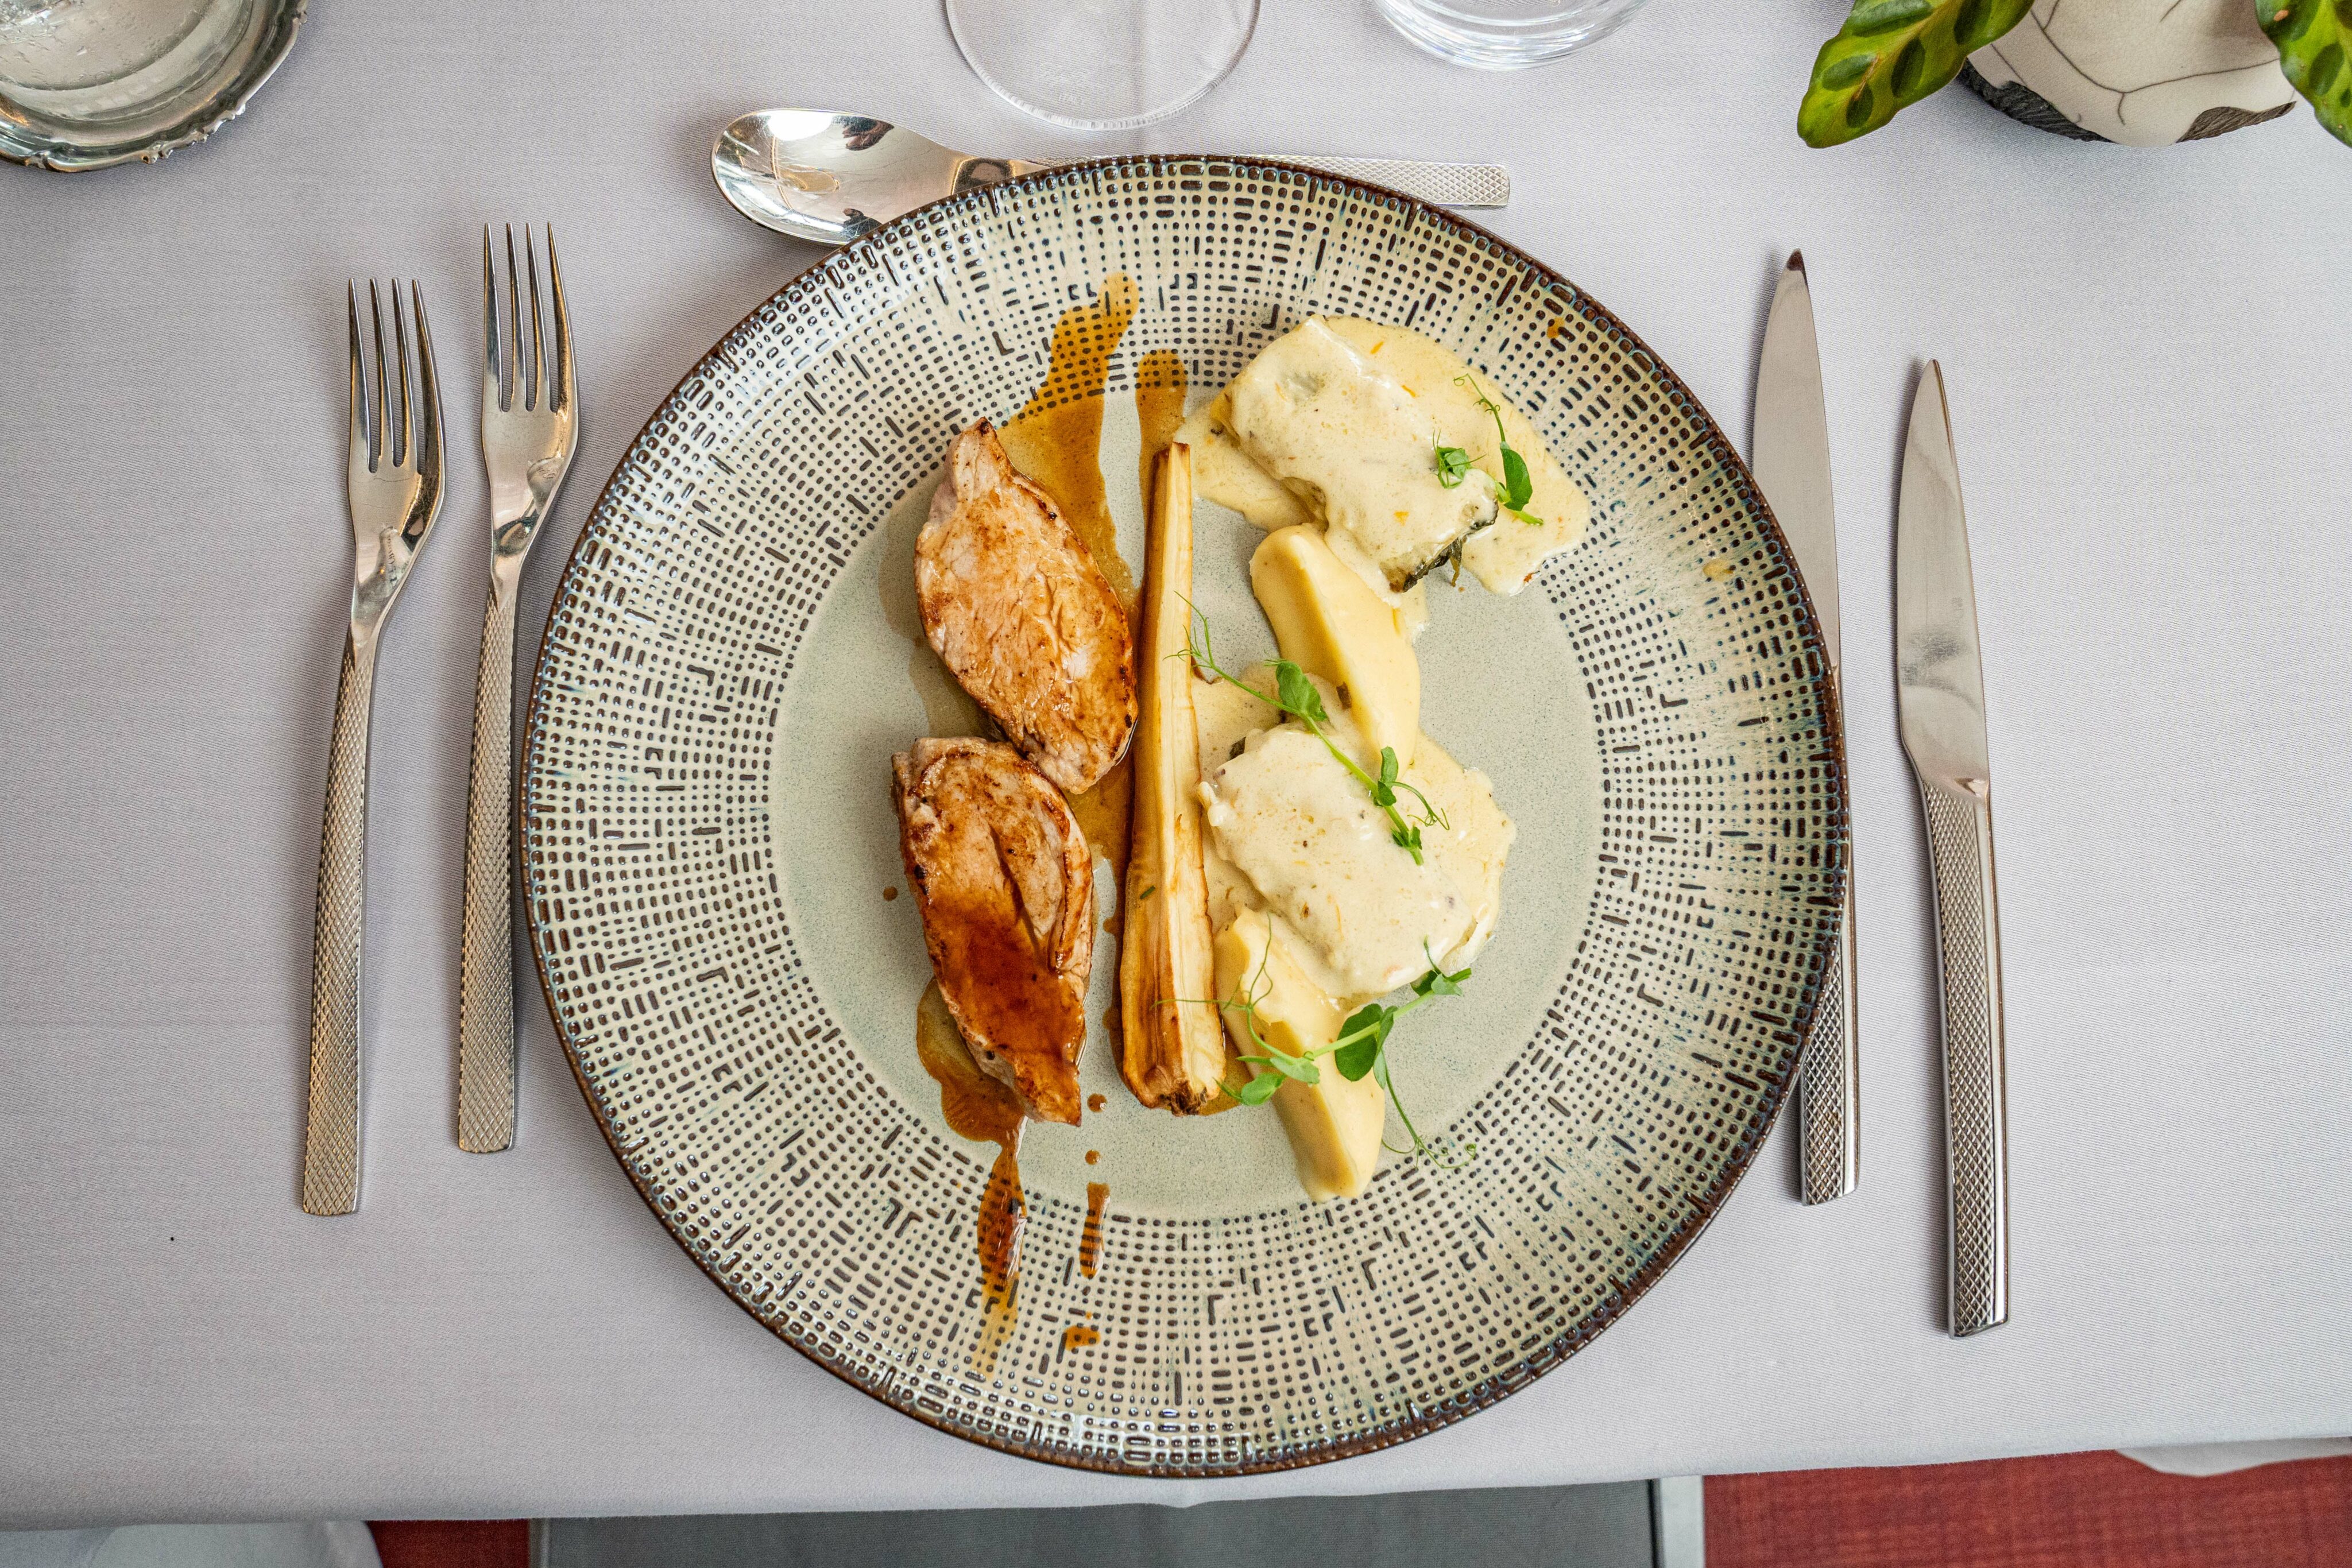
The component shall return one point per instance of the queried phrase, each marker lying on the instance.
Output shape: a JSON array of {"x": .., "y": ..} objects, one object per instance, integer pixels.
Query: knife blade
[
  {"x": 1939, "y": 694},
  {"x": 1791, "y": 459}
]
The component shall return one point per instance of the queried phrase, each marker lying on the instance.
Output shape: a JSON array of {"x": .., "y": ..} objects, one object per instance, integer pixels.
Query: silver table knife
[
  {"x": 1939, "y": 690},
  {"x": 1790, "y": 458}
]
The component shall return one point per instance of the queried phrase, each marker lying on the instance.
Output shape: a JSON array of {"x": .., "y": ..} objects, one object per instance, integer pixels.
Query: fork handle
[
  {"x": 331, "y": 1136},
  {"x": 486, "y": 1028}
]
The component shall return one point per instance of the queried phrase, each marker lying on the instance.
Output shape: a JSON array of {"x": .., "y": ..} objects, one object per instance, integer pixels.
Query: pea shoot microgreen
[
  {"x": 1296, "y": 696},
  {"x": 1517, "y": 487},
  {"x": 1453, "y": 464},
  {"x": 1361, "y": 1050}
]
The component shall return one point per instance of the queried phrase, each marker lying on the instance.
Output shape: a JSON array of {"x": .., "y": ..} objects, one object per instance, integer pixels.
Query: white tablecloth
[{"x": 2148, "y": 357}]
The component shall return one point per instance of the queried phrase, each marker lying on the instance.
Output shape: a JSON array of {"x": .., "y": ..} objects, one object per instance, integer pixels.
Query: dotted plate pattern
[{"x": 842, "y": 1217}]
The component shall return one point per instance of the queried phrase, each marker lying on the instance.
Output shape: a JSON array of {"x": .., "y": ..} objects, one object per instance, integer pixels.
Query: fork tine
[
  {"x": 429, "y": 414},
  {"x": 562, "y": 378},
  {"x": 492, "y": 378},
  {"x": 542, "y": 394},
  {"x": 381, "y": 447},
  {"x": 514, "y": 329},
  {"x": 407, "y": 382},
  {"x": 361, "y": 452}
]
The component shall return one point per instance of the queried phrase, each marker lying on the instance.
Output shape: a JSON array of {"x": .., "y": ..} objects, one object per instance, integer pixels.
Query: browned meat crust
[
  {"x": 1004, "y": 880},
  {"x": 1012, "y": 601}
]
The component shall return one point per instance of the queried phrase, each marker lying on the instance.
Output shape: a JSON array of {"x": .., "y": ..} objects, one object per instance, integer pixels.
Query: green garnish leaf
[
  {"x": 1517, "y": 487},
  {"x": 1437, "y": 983},
  {"x": 1361, "y": 1050},
  {"x": 1145, "y": 896},
  {"x": 1892, "y": 53},
  {"x": 1452, "y": 464},
  {"x": 1365, "y": 1032},
  {"x": 1298, "y": 694},
  {"x": 1295, "y": 695},
  {"x": 1256, "y": 1091},
  {"x": 2314, "y": 46},
  {"x": 1291, "y": 1066}
]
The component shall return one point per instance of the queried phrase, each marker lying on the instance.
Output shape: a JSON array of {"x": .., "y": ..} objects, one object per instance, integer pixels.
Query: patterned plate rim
[{"x": 814, "y": 280}]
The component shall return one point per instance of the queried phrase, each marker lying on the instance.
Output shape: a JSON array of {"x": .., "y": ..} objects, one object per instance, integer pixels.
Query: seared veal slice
[
  {"x": 1004, "y": 880},
  {"x": 1014, "y": 603}
]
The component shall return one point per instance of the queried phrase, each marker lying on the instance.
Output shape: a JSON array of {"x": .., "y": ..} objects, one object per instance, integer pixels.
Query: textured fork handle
[
  {"x": 486, "y": 1023},
  {"x": 1967, "y": 933},
  {"x": 331, "y": 1137},
  {"x": 1828, "y": 1109}
]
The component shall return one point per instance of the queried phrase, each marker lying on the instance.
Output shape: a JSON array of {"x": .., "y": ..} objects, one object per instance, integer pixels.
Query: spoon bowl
[
  {"x": 820, "y": 175},
  {"x": 829, "y": 177}
]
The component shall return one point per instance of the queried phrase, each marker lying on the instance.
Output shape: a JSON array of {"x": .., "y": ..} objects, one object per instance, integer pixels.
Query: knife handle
[
  {"x": 1968, "y": 952},
  {"x": 1828, "y": 1109}
]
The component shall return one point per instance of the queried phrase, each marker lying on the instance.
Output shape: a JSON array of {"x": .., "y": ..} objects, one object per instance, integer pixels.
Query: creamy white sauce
[
  {"x": 1226, "y": 715},
  {"x": 1357, "y": 447},
  {"x": 1445, "y": 393},
  {"x": 1470, "y": 849},
  {"x": 1224, "y": 473},
  {"x": 1303, "y": 833}
]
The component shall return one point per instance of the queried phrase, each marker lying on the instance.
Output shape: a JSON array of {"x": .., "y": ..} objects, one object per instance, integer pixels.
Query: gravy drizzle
[
  {"x": 1091, "y": 1239},
  {"x": 980, "y": 1108},
  {"x": 1057, "y": 440}
]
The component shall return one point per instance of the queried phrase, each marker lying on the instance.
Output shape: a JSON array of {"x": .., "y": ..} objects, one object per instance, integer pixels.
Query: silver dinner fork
[
  {"x": 395, "y": 484},
  {"x": 530, "y": 427}
]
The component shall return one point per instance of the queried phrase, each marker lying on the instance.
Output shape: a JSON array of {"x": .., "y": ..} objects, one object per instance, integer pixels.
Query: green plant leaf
[
  {"x": 1298, "y": 693},
  {"x": 1356, "y": 1057},
  {"x": 2314, "y": 45},
  {"x": 1257, "y": 1090},
  {"x": 1892, "y": 53},
  {"x": 1291, "y": 1066},
  {"x": 1438, "y": 983}
]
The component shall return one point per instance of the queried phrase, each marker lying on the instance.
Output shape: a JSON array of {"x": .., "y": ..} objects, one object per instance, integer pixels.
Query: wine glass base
[
  {"x": 1102, "y": 65},
  {"x": 1505, "y": 34}
]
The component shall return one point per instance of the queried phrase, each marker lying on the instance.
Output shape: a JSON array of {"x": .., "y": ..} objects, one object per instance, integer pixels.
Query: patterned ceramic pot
[{"x": 2142, "y": 72}]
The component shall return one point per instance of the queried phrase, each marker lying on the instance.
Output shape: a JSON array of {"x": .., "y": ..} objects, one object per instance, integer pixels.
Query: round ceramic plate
[{"x": 711, "y": 855}]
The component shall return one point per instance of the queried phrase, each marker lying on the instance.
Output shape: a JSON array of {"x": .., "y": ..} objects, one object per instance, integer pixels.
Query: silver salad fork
[
  {"x": 530, "y": 426},
  {"x": 395, "y": 484}
]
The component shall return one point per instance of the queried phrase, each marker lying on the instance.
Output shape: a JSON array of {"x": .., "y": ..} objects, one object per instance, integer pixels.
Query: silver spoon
[{"x": 830, "y": 177}]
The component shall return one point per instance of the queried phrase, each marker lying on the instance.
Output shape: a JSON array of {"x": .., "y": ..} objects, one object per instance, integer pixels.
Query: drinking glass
[
  {"x": 1101, "y": 65},
  {"x": 1504, "y": 35},
  {"x": 94, "y": 61}
]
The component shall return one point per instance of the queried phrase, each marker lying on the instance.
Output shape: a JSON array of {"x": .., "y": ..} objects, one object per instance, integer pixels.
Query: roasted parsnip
[{"x": 1172, "y": 1050}]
